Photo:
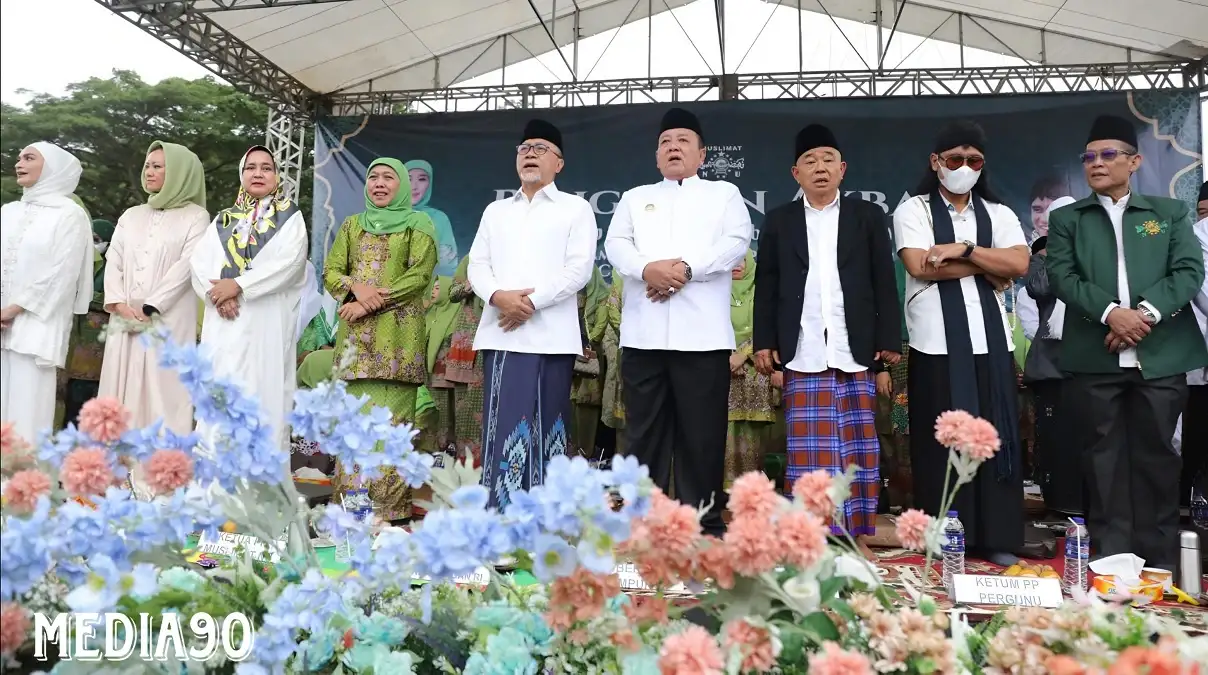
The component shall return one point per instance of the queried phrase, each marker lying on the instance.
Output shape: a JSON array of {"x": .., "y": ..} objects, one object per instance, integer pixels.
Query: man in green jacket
[{"x": 1127, "y": 266}]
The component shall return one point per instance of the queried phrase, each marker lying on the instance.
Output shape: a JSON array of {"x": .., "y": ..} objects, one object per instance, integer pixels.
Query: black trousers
[
  {"x": 676, "y": 415},
  {"x": 990, "y": 509},
  {"x": 1059, "y": 462},
  {"x": 1125, "y": 427},
  {"x": 1195, "y": 442}
]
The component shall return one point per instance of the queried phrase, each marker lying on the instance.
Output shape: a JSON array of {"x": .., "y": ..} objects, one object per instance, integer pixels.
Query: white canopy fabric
[{"x": 389, "y": 45}]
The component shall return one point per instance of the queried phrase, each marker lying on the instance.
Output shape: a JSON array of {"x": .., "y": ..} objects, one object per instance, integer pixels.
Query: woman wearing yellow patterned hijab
[{"x": 249, "y": 268}]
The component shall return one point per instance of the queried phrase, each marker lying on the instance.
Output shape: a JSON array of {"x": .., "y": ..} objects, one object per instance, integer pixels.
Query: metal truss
[
  {"x": 188, "y": 29},
  {"x": 1002, "y": 80},
  {"x": 286, "y": 142}
]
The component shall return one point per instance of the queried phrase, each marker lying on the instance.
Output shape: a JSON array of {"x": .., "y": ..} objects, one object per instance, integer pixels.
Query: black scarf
[{"x": 961, "y": 371}]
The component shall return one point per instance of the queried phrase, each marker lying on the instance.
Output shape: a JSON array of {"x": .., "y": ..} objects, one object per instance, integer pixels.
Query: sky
[{"x": 757, "y": 36}]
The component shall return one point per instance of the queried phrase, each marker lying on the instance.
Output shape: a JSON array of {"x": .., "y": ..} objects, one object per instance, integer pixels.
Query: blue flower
[
  {"x": 509, "y": 652},
  {"x": 317, "y": 651},
  {"x": 644, "y": 662},
  {"x": 553, "y": 558},
  {"x": 380, "y": 629},
  {"x": 181, "y": 579},
  {"x": 106, "y": 584},
  {"x": 395, "y": 663},
  {"x": 632, "y": 481},
  {"x": 450, "y": 542},
  {"x": 24, "y": 551}
]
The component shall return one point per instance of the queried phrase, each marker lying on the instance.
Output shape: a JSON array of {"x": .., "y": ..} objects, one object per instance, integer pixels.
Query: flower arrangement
[{"x": 774, "y": 594}]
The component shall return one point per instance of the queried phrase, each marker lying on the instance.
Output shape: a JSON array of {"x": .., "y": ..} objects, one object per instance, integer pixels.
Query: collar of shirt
[
  {"x": 550, "y": 191},
  {"x": 669, "y": 182},
  {"x": 952, "y": 207},
  {"x": 833, "y": 205},
  {"x": 1107, "y": 202}
]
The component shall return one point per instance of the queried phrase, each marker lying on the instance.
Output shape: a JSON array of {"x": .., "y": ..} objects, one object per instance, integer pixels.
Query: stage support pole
[{"x": 286, "y": 142}]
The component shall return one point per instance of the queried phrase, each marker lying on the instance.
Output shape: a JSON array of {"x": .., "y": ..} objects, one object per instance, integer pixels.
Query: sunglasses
[
  {"x": 1107, "y": 155},
  {"x": 954, "y": 162}
]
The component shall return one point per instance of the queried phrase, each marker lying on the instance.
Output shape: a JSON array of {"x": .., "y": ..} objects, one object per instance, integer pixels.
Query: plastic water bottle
[
  {"x": 1199, "y": 508},
  {"x": 1077, "y": 555},
  {"x": 953, "y": 549}
]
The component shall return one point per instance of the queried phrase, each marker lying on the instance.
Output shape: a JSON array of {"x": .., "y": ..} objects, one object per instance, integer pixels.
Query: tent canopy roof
[{"x": 338, "y": 46}]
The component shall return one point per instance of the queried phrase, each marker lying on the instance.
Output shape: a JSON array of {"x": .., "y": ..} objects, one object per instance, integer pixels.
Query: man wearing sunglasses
[
  {"x": 961, "y": 247},
  {"x": 1127, "y": 266},
  {"x": 531, "y": 256}
]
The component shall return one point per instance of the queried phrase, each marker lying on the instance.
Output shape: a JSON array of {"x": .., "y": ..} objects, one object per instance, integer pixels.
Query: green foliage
[{"x": 108, "y": 124}]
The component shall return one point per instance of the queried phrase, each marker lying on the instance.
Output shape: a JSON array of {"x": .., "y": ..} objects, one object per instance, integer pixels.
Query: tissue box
[{"x": 1108, "y": 585}]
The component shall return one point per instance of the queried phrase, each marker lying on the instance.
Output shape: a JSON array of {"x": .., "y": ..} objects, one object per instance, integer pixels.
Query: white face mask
[
  {"x": 101, "y": 247},
  {"x": 960, "y": 181}
]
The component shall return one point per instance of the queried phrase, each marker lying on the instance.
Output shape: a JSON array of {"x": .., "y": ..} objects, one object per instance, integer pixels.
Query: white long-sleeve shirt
[
  {"x": 547, "y": 244},
  {"x": 704, "y": 223},
  {"x": 1115, "y": 213}
]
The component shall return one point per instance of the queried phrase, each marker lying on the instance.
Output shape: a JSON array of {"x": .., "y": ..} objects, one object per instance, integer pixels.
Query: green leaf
[
  {"x": 830, "y": 588},
  {"x": 821, "y": 625},
  {"x": 842, "y": 609}
]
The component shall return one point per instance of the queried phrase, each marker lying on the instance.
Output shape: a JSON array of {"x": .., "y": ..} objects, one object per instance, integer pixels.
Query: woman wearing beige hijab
[{"x": 147, "y": 273}]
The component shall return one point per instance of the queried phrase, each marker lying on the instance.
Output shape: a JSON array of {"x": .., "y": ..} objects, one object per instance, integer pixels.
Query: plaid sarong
[{"x": 830, "y": 423}]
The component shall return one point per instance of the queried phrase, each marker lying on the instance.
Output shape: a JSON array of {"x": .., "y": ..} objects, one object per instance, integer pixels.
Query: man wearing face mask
[
  {"x": 1127, "y": 266},
  {"x": 675, "y": 243},
  {"x": 531, "y": 256},
  {"x": 962, "y": 248}
]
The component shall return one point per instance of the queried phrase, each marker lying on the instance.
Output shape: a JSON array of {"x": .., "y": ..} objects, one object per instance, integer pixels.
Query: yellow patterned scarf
[{"x": 247, "y": 227}]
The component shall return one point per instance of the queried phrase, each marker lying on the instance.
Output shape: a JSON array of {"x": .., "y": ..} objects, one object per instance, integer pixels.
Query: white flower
[
  {"x": 804, "y": 593},
  {"x": 847, "y": 565}
]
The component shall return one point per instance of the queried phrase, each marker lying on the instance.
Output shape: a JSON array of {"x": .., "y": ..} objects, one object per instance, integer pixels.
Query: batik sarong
[
  {"x": 526, "y": 410},
  {"x": 830, "y": 422}
]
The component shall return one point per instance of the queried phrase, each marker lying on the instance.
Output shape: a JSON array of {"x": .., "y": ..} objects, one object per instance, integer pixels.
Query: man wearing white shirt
[
  {"x": 961, "y": 248},
  {"x": 675, "y": 243},
  {"x": 1127, "y": 266},
  {"x": 531, "y": 256},
  {"x": 1195, "y": 414}
]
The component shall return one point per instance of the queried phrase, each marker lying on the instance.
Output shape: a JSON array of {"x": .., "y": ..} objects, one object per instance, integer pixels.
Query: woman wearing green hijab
[
  {"x": 587, "y": 387},
  {"x": 86, "y": 351},
  {"x": 147, "y": 272},
  {"x": 420, "y": 174},
  {"x": 380, "y": 270},
  {"x": 752, "y": 396}
]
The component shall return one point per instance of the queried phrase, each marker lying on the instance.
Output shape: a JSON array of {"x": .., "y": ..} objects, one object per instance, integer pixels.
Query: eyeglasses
[
  {"x": 538, "y": 149},
  {"x": 954, "y": 162},
  {"x": 1107, "y": 155}
]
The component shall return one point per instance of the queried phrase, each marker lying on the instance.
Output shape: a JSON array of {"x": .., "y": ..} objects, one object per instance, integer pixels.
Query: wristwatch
[
  {"x": 969, "y": 246},
  {"x": 687, "y": 271},
  {"x": 1150, "y": 317}
]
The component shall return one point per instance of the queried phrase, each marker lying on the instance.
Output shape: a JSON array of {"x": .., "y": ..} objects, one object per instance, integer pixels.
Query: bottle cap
[
  {"x": 952, "y": 514},
  {"x": 1189, "y": 539}
]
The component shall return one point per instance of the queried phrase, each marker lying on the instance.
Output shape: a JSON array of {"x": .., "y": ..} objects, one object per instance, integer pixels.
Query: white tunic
[
  {"x": 46, "y": 258},
  {"x": 148, "y": 263},
  {"x": 547, "y": 244},
  {"x": 924, "y": 312},
  {"x": 704, "y": 223},
  {"x": 257, "y": 348}
]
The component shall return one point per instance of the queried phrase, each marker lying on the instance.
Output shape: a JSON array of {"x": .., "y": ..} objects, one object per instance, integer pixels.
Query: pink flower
[
  {"x": 579, "y": 597},
  {"x": 12, "y": 447},
  {"x": 979, "y": 440},
  {"x": 754, "y": 643},
  {"x": 644, "y": 608},
  {"x": 950, "y": 427},
  {"x": 692, "y": 652},
  {"x": 813, "y": 490},
  {"x": 104, "y": 419},
  {"x": 912, "y": 529},
  {"x": 14, "y": 627},
  {"x": 86, "y": 471},
  {"x": 713, "y": 562},
  {"x": 803, "y": 538},
  {"x": 662, "y": 542},
  {"x": 168, "y": 470},
  {"x": 753, "y": 547},
  {"x": 754, "y": 496},
  {"x": 834, "y": 660},
  {"x": 24, "y": 489}
]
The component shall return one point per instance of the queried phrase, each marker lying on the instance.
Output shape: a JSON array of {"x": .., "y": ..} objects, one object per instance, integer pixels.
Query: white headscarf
[
  {"x": 60, "y": 177},
  {"x": 1057, "y": 318},
  {"x": 316, "y": 301}
]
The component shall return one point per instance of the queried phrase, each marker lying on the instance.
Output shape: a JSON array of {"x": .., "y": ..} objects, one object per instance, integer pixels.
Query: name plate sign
[
  {"x": 982, "y": 589},
  {"x": 481, "y": 576},
  {"x": 627, "y": 575},
  {"x": 228, "y": 543}
]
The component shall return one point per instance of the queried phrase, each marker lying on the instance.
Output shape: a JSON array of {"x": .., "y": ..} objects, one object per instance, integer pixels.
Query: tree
[{"x": 108, "y": 124}]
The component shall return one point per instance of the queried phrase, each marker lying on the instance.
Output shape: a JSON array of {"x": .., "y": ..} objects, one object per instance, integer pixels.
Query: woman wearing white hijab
[
  {"x": 47, "y": 255},
  {"x": 250, "y": 267}
]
